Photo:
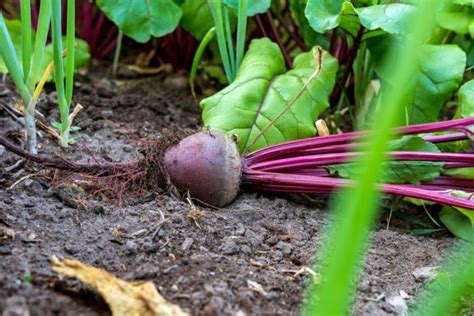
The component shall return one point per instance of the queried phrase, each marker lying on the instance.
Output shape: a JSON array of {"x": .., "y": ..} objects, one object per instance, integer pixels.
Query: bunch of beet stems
[{"x": 299, "y": 166}]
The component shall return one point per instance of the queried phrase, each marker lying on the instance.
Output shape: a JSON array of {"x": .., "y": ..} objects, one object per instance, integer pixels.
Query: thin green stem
[
  {"x": 216, "y": 10},
  {"x": 118, "y": 48},
  {"x": 230, "y": 42},
  {"x": 40, "y": 43},
  {"x": 197, "y": 57},
  {"x": 58, "y": 64},
  {"x": 241, "y": 32},
  {"x": 70, "y": 42},
  {"x": 25, "y": 11}
]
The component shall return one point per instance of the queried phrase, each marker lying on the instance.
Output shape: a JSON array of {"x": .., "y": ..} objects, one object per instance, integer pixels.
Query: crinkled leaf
[
  {"x": 142, "y": 19},
  {"x": 262, "y": 90},
  {"x": 400, "y": 171},
  {"x": 324, "y": 15},
  {"x": 310, "y": 37},
  {"x": 458, "y": 220},
  {"x": 435, "y": 80},
  {"x": 466, "y": 100},
  {"x": 253, "y": 6},
  {"x": 197, "y": 18}
]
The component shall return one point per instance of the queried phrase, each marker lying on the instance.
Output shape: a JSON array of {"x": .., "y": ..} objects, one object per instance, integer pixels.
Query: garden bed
[{"x": 248, "y": 258}]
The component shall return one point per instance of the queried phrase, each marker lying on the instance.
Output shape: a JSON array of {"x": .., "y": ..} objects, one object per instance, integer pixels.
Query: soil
[{"x": 249, "y": 258}]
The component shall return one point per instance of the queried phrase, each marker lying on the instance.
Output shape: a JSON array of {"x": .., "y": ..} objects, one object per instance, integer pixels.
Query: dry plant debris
[{"x": 124, "y": 298}]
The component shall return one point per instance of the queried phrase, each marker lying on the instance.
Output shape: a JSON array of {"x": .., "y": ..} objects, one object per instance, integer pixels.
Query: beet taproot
[{"x": 208, "y": 165}]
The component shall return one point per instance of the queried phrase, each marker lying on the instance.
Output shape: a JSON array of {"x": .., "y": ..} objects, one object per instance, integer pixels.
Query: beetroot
[{"x": 206, "y": 164}]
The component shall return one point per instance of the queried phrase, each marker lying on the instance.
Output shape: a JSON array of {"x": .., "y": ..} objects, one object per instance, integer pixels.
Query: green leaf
[
  {"x": 254, "y": 6},
  {"x": 324, "y": 15},
  {"x": 401, "y": 171},
  {"x": 464, "y": 2},
  {"x": 458, "y": 20},
  {"x": 413, "y": 143},
  {"x": 463, "y": 173},
  {"x": 466, "y": 100},
  {"x": 142, "y": 19},
  {"x": 458, "y": 220},
  {"x": 197, "y": 18},
  {"x": 261, "y": 91},
  {"x": 435, "y": 80},
  {"x": 412, "y": 172},
  {"x": 310, "y": 37}
]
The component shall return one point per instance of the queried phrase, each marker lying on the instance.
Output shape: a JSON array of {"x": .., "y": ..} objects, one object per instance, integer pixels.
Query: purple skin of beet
[{"x": 208, "y": 165}]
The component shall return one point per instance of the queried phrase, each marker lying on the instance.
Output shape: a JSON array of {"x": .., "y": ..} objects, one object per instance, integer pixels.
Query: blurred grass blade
[
  {"x": 197, "y": 57},
  {"x": 453, "y": 284},
  {"x": 8, "y": 53},
  {"x": 40, "y": 43},
  {"x": 241, "y": 32},
  {"x": 70, "y": 41},
  {"x": 342, "y": 255},
  {"x": 216, "y": 10},
  {"x": 25, "y": 12}
]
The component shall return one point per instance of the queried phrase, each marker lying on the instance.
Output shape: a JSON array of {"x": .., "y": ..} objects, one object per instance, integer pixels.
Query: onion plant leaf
[
  {"x": 401, "y": 171},
  {"x": 197, "y": 18},
  {"x": 263, "y": 88},
  {"x": 325, "y": 15},
  {"x": 14, "y": 29},
  {"x": 142, "y": 19},
  {"x": 254, "y": 6}
]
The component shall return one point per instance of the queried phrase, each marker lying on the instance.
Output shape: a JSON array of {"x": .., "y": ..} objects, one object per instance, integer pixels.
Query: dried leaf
[{"x": 123, "y": 298}]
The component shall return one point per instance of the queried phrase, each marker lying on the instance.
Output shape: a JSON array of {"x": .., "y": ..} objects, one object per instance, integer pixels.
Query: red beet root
[{"x": 208, "y": 165}]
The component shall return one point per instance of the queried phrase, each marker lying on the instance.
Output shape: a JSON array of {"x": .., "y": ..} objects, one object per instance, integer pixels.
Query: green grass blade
[
  {"x": 230, "y": 42},
  {"x": 25, "y": 11},
  {"x": 9, "y": 56},
  {"x": 197, "y": 57},
  {"x": 216, "y": 10},
  {"x": 58, "y": 62},
  {"x": 40, "y": 43},
  {"x": 241, "y": 32},
  {"x": 346, "y": 239},
  {"x": 70, "y": 42},
  {"x": 455, "y": 283}
]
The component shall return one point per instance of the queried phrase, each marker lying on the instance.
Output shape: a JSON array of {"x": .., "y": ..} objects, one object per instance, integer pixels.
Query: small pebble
[
  {"x": 399, "y": 304},
  {"x": 425, "y": 273},
  {"x": 229, "y": 246},
  {"x": 131, "y": 247}
]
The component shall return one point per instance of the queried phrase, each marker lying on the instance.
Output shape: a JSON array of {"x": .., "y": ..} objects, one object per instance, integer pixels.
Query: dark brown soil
[{"x": 202, "y": 259}]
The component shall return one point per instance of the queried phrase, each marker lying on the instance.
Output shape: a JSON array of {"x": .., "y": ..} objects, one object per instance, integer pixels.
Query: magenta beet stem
[
  {"x": 286, "y": 148},
  {"x": 316, "y": 184},
  {"x": 338, "y": 158}
]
